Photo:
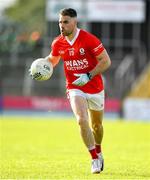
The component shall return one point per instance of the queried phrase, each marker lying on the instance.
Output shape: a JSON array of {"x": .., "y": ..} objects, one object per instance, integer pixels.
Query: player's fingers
[
  {"x": 78, "y": 82},
  {"x": 77, "y": 75},
  {"x": 75, "y": 82}
]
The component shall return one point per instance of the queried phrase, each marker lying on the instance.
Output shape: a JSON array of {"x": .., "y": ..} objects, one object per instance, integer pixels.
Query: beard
[{"x": 65, "y": 33}]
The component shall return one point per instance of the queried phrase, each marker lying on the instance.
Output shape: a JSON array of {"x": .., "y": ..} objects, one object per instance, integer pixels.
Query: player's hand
[{"x": 82, "y": 80}]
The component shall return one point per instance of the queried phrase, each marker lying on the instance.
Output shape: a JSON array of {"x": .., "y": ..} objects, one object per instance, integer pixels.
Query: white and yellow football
[{"x": 41, "y": 69}]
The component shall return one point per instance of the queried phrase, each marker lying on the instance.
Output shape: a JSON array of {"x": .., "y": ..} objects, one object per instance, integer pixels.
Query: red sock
[
  {"x": 93, "y": 153},
  {"x": 98, "y": 148}
]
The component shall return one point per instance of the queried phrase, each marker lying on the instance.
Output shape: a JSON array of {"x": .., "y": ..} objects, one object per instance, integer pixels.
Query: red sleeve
[
  {"x": 54, "y": 49},
  {"x": 95, "y": 45}
]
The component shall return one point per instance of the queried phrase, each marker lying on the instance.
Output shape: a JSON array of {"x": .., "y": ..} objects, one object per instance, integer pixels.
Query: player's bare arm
[
  {"x": 104, "y": 63},
  {"x": 53, "y": 59}
]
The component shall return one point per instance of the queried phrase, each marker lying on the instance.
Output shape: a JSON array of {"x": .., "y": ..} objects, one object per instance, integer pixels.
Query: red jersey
[{"x": 79, "y": 56}]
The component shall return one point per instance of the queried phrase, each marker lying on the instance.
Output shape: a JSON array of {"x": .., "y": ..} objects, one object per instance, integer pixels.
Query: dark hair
[{"x": 68, "y": 12}]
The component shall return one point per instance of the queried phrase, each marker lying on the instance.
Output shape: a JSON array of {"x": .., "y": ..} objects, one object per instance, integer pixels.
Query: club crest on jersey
[
  {"x": 71, "y": 52},
  {"x": 82, "y": 51}
]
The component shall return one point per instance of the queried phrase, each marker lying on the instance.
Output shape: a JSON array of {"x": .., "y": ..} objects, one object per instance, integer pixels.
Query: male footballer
[{"x": 85, "y": 59}]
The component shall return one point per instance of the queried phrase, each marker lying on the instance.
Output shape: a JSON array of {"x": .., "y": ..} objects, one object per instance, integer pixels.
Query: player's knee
[
  {"x": 82, "y": 121},
  {"x": 96, "y": 127}
]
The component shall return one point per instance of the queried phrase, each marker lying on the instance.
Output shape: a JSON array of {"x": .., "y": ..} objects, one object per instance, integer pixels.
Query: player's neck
[{"x": 71, "y": 36}]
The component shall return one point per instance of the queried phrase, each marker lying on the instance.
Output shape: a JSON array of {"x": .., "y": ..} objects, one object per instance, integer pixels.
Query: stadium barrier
[
  {"x": 1, "y": 103},
  {"x": 50, "y": 104},
  {"x": 137, "y": 109}
]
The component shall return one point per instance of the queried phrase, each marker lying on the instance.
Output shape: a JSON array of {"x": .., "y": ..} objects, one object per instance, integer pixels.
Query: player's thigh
[
  {"x": 96, "y": 101},
  {"x": 79, "y": 107},
  {"x": 96, "y": 117}
]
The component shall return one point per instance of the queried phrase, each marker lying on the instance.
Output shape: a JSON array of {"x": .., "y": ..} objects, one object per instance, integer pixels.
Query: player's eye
[{"x": 66, "y": 22}]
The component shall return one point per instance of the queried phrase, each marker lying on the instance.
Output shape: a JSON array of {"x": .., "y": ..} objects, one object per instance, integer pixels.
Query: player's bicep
[{"x": 103, "y": 56}]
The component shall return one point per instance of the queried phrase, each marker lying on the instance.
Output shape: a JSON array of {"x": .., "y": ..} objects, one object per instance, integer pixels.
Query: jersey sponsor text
[{"x": 76, "y": 64}]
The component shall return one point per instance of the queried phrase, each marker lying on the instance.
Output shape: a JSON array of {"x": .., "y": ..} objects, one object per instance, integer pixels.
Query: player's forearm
[
  {"x": 101, "y": 67},
  {"x": 54, "y": 60},
  {"x": 104, "y": 63}
]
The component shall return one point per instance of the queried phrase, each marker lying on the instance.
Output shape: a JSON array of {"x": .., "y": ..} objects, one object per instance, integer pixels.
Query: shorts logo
[{"x": 82, "y": 51}]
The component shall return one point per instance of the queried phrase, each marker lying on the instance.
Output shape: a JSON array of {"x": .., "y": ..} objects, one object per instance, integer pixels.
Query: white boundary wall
[
  {"x": 136, "y": 109},
  {"x": 97, "y": 10}
]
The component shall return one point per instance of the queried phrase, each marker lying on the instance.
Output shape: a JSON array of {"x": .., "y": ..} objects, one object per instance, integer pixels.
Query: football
[{"x": 41, "y": 69}]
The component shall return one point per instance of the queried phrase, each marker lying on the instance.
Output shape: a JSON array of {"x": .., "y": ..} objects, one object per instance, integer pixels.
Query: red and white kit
[{"x": 79, "y": 56}]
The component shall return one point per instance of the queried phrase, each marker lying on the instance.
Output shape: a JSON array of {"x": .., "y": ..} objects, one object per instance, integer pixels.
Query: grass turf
[{"x": 33, "y": 148}]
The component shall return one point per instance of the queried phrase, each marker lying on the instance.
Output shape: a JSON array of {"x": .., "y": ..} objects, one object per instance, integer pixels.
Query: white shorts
[{"x": 95, "y": 101}]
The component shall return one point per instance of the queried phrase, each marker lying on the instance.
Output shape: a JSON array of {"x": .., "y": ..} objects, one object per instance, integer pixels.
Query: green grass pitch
[{"x": 49, "y": 148}]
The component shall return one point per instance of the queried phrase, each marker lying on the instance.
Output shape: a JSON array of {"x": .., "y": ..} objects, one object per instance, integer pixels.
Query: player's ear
[{"x": 75, "y": 20}]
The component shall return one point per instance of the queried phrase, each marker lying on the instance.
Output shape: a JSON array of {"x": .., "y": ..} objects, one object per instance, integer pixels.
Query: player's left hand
[{"x": 82, "y": 80}]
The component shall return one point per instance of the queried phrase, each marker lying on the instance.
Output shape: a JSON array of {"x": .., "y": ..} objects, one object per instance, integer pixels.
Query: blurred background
[{"x": 27, "y": 29}]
